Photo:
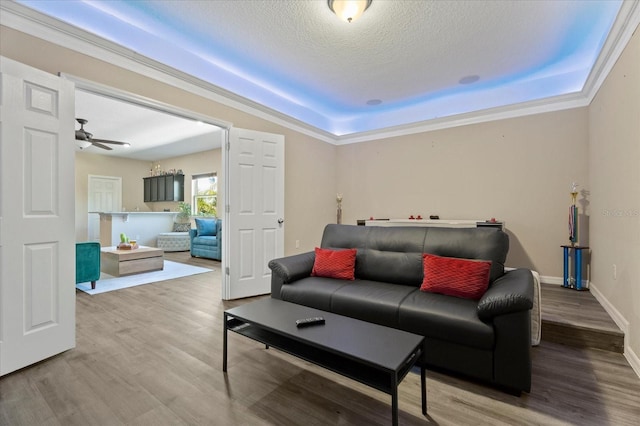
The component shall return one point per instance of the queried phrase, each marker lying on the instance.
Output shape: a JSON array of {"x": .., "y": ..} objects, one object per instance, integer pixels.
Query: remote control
[{"x": 305, "y": 322}]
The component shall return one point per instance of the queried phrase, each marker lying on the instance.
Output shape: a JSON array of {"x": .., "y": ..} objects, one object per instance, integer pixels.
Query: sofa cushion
[
  {"x": 181, "y": 227},
  {"x": 205, "y": 241},
  {"x": 447, "y": 318},
  {"x": 315, "y": 292},
  {"x": 384, "y": 254},
  {"x": 371, "y": 301},
  {"x": 206, "y": 227},
  {"x": 455, "y": 277},
  {"x": 339, "y": 264},
  {"x": 470, "y": 243},
  {"x": 394, "y": 254}
]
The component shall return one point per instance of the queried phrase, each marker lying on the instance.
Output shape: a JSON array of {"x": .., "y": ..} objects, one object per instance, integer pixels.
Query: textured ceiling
[
  {"x": 401, "y": 65},
  {"x": 407, "y": 57}
]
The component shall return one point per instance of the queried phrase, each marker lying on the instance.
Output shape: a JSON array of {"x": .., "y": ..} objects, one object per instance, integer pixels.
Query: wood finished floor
[
  {"x": 152, "y": 355},
  {"x": 576, "y": 318}
]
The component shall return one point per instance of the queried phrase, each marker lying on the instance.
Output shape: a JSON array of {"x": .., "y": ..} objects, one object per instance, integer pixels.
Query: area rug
[{"x": 171, "y": 270}]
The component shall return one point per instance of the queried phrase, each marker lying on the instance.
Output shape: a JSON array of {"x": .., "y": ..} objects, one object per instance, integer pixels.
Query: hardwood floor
[
  {"x": 152, "y": 355},
  {"x": 576, "y": 318}
]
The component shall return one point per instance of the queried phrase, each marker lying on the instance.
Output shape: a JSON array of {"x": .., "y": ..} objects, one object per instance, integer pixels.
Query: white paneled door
[
  {"x": 255, "y": 214},
  {"x": 37, "y": 223},
  {"x": 105, "y": 195}
]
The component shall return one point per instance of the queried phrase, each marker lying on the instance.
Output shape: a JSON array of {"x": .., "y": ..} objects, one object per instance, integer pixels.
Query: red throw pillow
[
  {"x": 340, "y": 264},
  {"x": 464, "y": 278}
]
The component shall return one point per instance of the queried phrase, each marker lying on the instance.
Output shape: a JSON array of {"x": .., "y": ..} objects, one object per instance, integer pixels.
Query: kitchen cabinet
[{"x": 164, "y": 188}]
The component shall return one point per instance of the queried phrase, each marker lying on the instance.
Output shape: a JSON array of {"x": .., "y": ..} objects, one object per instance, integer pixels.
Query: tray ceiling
[{"x": 401, "y": 63}]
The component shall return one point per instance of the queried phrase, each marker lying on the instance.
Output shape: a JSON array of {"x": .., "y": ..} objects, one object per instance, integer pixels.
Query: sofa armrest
[
  {"x": 87, "y": 262},
  {"x": 510, "y": 293},
  {"x": 293, "y": 268},
  {"x": 288, "y": 269},
  {"x": 193, "y": 233}
]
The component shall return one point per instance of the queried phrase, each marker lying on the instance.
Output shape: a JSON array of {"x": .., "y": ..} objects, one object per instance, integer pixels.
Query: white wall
[
  {"x": 132, "y": 173},
  {"x": 517, "y": 170},
  {"x": 614, "y": 165}
]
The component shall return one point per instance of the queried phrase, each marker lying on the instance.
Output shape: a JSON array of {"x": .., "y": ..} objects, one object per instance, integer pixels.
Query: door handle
[{"x": 280, "y": 221}]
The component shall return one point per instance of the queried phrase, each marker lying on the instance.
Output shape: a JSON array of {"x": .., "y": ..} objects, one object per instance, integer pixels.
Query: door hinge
[
  {"x": 226, "y": 270},
  {"x": 228, "y": 145},
  {"x": 227, "y": 208}
]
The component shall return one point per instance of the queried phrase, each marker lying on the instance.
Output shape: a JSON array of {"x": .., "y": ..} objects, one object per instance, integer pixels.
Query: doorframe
[
  {"x": 132, "y": 98},
  {"x": 142, "y": 101}
]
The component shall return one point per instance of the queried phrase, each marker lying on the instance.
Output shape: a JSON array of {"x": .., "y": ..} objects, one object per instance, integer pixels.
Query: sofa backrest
[{"x": 394, "y": 254}]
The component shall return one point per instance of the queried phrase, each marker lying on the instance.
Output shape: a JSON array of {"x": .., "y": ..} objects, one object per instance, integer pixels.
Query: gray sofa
[{"x": 488, "y": 339}]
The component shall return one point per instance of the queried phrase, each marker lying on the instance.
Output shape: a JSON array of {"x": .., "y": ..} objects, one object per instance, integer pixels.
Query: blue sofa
[{"x": 206, "y": 238}]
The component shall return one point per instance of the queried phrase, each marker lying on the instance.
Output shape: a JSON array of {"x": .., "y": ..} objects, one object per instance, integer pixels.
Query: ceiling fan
[{"x": 86, "y": 139}]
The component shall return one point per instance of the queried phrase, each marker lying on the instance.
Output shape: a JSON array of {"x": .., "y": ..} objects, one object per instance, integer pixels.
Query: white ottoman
[{"x": 174, "y": 241}]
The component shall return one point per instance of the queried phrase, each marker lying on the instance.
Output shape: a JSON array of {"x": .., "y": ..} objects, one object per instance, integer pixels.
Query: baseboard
[
  {"x": 631, "y": 357},
  {"x": 545, "y": 279},
  {"x": 615, "y": 315},
  {"x": 621, "y": 322}
]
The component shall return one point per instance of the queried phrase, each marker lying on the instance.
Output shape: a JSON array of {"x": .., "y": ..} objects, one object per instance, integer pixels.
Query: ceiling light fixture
[
  {"x": 83, "y": 144},
  {"x": 349, "y": 10}
]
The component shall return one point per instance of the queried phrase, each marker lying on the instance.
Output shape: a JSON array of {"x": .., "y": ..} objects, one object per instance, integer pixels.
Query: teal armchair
[
  {"x": 206, "y": 239},
  {"x": 88, "y": 262}
]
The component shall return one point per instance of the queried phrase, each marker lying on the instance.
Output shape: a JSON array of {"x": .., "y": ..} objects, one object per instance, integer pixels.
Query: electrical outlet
[
  {"x": 297, "y": 243},
  {"x": 615, "y": 272}
]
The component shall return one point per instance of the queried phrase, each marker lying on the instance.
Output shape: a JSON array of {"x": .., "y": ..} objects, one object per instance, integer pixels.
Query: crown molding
[
  {"x": 31, "y": 22},
  {"x": 557, "y": 103},
  {"x": 36, "y": 24},
  {"x": 623, "y": 28}
]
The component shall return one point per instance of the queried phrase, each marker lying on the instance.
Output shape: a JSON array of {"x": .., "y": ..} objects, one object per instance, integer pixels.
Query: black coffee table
[{"x": 372, "y": 354}]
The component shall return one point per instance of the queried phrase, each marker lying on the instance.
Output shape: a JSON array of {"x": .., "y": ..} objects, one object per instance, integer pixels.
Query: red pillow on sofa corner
[
  {"x": 466, "y": 278},
  {"x": 339, "y": 264}
]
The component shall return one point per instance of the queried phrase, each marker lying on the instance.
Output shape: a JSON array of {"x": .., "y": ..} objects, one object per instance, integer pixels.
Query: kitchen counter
[{"x": 143, "y": 227}]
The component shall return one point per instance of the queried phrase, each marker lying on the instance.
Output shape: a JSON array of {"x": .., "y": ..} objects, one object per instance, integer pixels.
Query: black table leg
[
  {"x": 224, "y": 345},
  {"x": 423, "y": 385},
  {"x": 394, "y": 400}
]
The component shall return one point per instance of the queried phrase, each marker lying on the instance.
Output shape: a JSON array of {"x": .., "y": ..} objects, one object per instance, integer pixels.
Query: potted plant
[{"x": 184, "y": 212}]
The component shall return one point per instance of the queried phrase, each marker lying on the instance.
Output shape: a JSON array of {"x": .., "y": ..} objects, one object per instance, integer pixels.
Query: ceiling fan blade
[
  {"x": 99, "y": 145},
  {"x": 83, "y": 135},
  {"x": 108, "y": 141}
]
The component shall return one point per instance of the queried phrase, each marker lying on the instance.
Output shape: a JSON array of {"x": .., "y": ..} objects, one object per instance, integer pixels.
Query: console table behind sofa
[{"x": 444, "y": 223}]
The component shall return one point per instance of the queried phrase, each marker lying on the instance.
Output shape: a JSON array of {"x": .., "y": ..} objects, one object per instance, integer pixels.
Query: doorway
[
  {"x": 269, "y": 178},
  {"x": 158, "y": 131}
]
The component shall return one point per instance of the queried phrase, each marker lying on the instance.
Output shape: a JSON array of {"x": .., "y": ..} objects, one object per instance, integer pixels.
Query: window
[{"x": 204, "y": 188}]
